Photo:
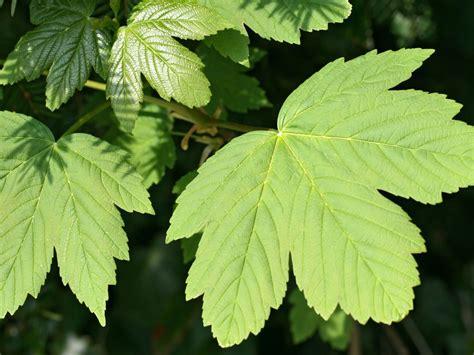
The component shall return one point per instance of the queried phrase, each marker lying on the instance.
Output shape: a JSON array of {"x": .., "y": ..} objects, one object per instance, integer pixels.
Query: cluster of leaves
[{"x": 308, "y": 189}]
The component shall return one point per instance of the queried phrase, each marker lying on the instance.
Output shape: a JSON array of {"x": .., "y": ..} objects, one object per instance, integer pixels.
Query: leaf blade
[
  {"x": 146, "y": 46},
  {"x": 349, "y": 245},
  {"x": 64, "y": 199}
]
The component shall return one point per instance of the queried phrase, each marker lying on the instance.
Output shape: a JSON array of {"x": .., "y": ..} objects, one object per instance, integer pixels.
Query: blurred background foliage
[{"x": 147, "y": 313}]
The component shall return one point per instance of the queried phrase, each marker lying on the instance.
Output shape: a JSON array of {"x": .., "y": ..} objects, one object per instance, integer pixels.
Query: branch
[
  {"x": 187, "y": 114},
  {"x": 86, "y": 118},
  {"x": 184, "y": 113}
]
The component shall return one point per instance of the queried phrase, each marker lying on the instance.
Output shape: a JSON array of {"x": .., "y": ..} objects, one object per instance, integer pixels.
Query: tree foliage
[{"x": 307, "y": 201}]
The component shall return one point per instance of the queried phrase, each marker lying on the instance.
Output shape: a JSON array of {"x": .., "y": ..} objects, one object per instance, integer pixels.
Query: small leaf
[
  {"x": 337, "y": 330},
  {"x": 188, "y": 245},
  {"x": 146, "y": 46},
  {"x": 66, "y": 42},
  {"x": 61, "y": 195},
  {"x": 151, "y": 147},
  {"x": 304, "y": 323},
  {"x": 230, "y": 86},
  {"x": 281, "y": 20},
  {"x": 184, "y": 181},
  {"x": 231, "y": 44},
  {"x": 311, "y": 190}
]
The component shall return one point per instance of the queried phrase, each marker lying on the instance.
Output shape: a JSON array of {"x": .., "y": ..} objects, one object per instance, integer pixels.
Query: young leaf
[
  {"x": 146, "y": 46},
  {"x": 230, "y": 86},
  {"x": 67, "y": 41},
  {"x": 151, "y": 146},
  {"x": 61, "y": 195},
  {"x": 304, "y": 323},
  {"x": 281, "y": 20},
  {"x": 310, "y": 189}
]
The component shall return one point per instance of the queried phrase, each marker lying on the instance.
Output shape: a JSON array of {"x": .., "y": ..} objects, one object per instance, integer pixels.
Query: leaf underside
[
  {"x": 61, "y": 196},
  {"x": 310, "y": 190}
]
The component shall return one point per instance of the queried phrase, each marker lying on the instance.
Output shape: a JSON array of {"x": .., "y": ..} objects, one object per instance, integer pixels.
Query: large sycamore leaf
[
  {"x": 311, "y": 190},
  {"x": 67, "y": 41},
  {"x": 146, "y": 46},
  {"x": 281, "y": 20},
  {"x": 60, "y": 195},
  {"x": 151, "y": 147}
]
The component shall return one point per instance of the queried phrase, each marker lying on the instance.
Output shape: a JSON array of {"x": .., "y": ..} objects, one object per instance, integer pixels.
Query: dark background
[{"x": 147, "y": 313}]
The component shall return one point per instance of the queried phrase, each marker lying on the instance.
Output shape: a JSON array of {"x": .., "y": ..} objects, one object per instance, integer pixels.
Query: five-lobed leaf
[
  {"x": 311, "y": 190},
  {"x": 146, "y": 46},
  {"x": 60, "y": 196},
  {"x": 281, "y": 20},
  {"x": 67, "y": 41}
]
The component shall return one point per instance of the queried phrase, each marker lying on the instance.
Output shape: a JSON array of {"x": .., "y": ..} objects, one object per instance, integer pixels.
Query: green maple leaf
[
  {"x": 230, "y": 85},
  {"x": 304, "y": 323},
  {"x": 151, "y": 147},
  {"x": 60, "y": 196},
  {"x": 281, "y": 20},
  {"x": 67, "y": 41},
  {"x": 311, "y": 190},
  {"x": 146, "y": 46}
]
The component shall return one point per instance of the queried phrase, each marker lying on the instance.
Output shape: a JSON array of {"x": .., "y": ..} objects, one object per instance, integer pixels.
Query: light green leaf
[
  {"x": 281, "y": 20},
  {"x": 231, "y": 44},
  {"x": 304, "y": 322},
  {"x": 66, "y": 42},
  {"x": 151, "y": 147},
  {"x": 230, "y": 85},
  {"x": 61, "y": 195},
  {"x": 311, "y": 189},
  {"x": 146, "y": 46}
]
